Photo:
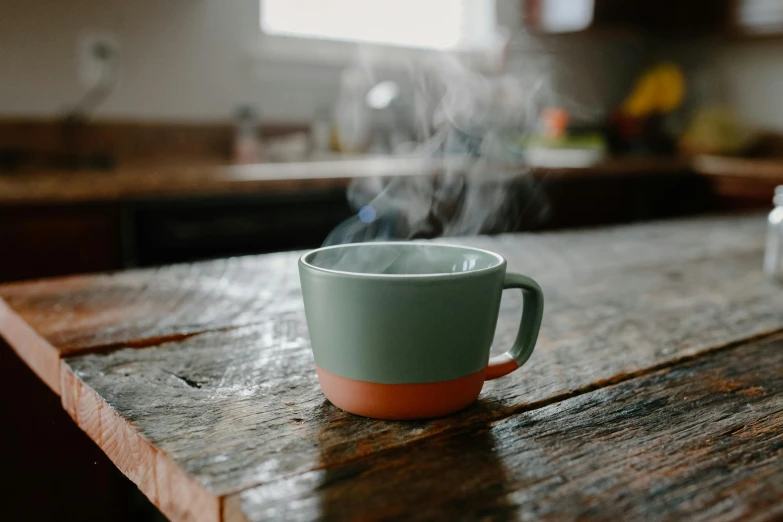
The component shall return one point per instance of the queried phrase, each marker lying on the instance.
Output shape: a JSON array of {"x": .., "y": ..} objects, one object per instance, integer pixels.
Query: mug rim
[{"x": 501, "y": 261}]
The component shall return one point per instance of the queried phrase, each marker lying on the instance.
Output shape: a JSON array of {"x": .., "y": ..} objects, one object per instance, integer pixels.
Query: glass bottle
[
  {"x": 773, "y": 258},
  {"x": 247, "y": 144}
]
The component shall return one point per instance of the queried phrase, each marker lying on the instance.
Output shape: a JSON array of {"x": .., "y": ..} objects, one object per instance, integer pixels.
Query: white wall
[
  {"x": 190, "y": 60},
  {"x": 589, "y": 74},
  {"x": 753, "y": 72},
  {"x": 745, "y": 75},
  {"x": 181, "y": 59}
]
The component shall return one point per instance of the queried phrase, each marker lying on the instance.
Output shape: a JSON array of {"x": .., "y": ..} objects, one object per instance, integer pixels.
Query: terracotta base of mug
[{"x": 400, "y": 401}]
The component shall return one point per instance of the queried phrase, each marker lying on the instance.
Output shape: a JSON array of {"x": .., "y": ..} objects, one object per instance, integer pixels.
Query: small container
[
  {"x": 321, "y": 132},
  {"x": 247, "y": 143},
  {"x": 351, "y": 115},
  {"x": 773, "y": 258}
]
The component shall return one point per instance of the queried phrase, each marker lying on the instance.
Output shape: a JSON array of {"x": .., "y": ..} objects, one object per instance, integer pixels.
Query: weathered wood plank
[
  {"x": 238, "y": 408},
  {"x": 654, "y": 243},
  {"x": 145, "y": 307},
  {"x": 699, "y": 441},
  {"x": 48, "y": 319},
  {"x": 34, "y": 350},
  {"x": 214, "y": 413},
  {"x": 177, "y": 495},
  {"x": 84, "y": 312},
  {"x": 142, "y": 306}
]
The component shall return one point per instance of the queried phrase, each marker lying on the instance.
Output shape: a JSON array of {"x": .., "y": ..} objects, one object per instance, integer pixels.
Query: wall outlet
[{"x": 96, "y": 53}]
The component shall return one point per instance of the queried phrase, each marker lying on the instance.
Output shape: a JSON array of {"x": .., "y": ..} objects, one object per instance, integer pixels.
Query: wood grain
[
  {"x": 636, "y": 451},
  {"x": 177, "y": 495},
  {"x": 40, "y": 356},
  {"x": 576, "y": 252},
  {"x": 142, "y": 306},
  {"x": 146, "y": 307},
  {"x": 242, "y": 407},
  {"x": 51, "y": 470},
  {"x": 139, "y": 306},
  {"x": 223, "y": 396}
]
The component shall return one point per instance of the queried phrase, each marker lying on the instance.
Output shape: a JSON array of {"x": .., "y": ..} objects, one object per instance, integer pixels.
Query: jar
[
  {"x": 247, "y": 144},
  {"x": 773, "y": 259}
]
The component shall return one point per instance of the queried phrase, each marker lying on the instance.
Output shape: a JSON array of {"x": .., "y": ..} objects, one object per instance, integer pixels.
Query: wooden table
[{"x": 655, "y": 392}]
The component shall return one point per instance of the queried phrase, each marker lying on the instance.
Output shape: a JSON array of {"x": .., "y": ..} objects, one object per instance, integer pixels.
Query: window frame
[{"x": 337, "y": 52}]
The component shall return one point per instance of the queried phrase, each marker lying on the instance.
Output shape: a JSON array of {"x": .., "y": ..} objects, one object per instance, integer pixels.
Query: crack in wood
[
  {"x": 147, "y": 342},
  {"x": 186, "y": 380}
]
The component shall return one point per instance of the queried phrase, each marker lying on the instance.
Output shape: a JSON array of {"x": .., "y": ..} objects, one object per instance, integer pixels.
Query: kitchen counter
[
  {"x": 750, "y": 180},
  {"x": 656, "y": 371},
  {"x": 56, "y": 223},
  {"x": 158, "y": 180}
]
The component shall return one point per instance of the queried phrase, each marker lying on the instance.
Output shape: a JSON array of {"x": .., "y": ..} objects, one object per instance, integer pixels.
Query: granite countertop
[{"x": 151, "y": 180}]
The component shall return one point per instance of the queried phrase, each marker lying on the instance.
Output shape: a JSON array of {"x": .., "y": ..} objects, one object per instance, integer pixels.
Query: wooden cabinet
[
  {"x": 51, "y": 240},
  {"x": 186, "y": 229}
]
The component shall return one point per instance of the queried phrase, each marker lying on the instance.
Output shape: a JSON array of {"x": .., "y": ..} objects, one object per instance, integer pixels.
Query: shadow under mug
[{"x": 402, "y": 330}]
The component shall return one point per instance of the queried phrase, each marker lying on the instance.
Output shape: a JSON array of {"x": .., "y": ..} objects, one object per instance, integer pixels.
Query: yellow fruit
[
  {"x": 672, "y": 87},
  {"x": 660, "y": 89},
  {"x": 643, "y": 98}
]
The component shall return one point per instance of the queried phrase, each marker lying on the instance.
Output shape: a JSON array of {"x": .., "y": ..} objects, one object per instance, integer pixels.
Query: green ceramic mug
[{"x": 403, "y": 330}]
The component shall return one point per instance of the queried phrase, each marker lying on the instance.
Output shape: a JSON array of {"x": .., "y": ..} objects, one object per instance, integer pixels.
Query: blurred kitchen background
[{"x": 148, "y": 132}]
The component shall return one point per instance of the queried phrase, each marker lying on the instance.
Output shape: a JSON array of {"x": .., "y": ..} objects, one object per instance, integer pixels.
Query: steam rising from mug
[{"x": 468, "y": 127}]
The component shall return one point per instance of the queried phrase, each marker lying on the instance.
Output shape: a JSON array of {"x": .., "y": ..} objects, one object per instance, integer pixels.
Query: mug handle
[{"x": 532, "y": 312}]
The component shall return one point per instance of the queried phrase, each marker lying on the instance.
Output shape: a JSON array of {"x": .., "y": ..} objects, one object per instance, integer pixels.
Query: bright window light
[{"x": 428, "y": 24}]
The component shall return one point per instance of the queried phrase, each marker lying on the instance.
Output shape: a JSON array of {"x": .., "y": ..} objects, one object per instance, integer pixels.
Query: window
[{"x": 424, "y": 24}]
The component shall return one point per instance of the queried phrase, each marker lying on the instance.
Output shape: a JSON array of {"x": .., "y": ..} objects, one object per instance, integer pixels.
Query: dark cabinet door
[
  {"x": 659, "y": 17},
  {"x": 193, "y": 229},
  {"x": 43, "y": 241}
]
